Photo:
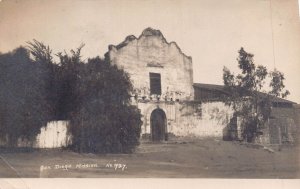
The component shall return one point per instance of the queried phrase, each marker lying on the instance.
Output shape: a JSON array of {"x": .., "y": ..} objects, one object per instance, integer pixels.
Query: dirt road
[
  {"x": 207, "y": 158},
  {"x": 6, "y": 170}
]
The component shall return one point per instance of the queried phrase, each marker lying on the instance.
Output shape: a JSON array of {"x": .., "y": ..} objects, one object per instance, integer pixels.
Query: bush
[
  {"x": 24, "y": 108},
  {"x": 102, "y": 119},
  {"x": 93, "y": 95}
]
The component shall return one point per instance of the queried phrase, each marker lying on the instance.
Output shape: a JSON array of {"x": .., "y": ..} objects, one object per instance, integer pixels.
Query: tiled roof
[{"x": 221, "y": 88}]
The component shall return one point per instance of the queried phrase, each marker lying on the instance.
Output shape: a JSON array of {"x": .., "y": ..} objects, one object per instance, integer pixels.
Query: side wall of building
[
  {"x": 283, "y": 125},
  {"x": 281, "y": 128},
  {"x": 189, "y": 119}
]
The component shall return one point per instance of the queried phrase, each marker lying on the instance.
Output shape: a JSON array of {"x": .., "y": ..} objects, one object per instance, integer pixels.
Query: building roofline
[
  {"x": 221, "y": 88},
  {"x": 147, "y": 32}
]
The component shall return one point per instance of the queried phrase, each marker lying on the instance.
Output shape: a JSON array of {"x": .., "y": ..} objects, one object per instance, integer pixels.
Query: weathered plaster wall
[
  {"x": 152, "y": 53},
  {"x": 148, "y": 107},
  {"x": 207, "y": 120},
  {"x": 187, "y": 119},
  {"x": 283, "y": 126},
  {"x": 280, "y": 128}
]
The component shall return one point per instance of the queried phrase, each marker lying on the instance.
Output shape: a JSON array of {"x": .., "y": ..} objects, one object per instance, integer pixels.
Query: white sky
[{"x": 211, "y": 31}]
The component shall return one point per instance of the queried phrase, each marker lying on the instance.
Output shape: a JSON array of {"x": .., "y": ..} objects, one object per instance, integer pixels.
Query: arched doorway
[{"x": 158, "y": 122}]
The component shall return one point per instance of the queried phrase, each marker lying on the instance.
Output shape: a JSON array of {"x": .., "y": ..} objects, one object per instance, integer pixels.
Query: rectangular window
[{"x": 155, "y": 83}]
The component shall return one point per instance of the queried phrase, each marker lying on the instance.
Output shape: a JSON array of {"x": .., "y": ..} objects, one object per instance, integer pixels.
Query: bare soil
[{"x": 206, "y": 158}]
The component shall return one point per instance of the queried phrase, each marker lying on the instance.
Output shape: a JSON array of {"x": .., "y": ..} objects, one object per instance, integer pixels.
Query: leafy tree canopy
[
  {"x": 93, "y": 95},
  {"x": 248, "y": 95},
  {"x": 23, "y": 104}
]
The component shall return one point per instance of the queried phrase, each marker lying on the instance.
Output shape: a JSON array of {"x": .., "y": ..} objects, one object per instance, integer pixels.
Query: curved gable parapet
[
  {"x": 179, "y": 49},
  {"x": 148, "y": 32},
  {"x": 152, "y": 32}
]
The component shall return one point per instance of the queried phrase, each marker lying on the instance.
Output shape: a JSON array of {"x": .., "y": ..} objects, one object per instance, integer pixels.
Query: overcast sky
[{"x": 210, "y": 31}]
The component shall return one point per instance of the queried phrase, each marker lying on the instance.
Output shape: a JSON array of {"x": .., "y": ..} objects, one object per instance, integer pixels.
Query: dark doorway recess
[{"x": 158, "y": 123}]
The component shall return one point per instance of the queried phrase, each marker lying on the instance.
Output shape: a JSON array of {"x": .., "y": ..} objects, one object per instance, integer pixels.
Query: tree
[
  {"x": 248, "y": 96},
  {"x": 23, "y": 106},
  {"x": 95, "y": 97},
  {"x": 42, "y": 55},
  {"x": 103, "y": 120}
]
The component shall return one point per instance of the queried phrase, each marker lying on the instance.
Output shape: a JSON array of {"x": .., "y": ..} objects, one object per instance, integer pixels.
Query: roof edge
[{"x": 147, "y": 32}]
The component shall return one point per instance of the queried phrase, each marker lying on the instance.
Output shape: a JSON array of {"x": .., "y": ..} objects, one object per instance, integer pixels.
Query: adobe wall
[
  {"x": 152, "y": 53},
  {"x": 188, "y": 119},
  {"x": 284, "y": 125},
  {"x": 208, "y": 119}
]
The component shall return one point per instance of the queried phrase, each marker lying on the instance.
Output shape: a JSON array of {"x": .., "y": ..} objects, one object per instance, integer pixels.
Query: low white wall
[{"x": 54, "y": 135}]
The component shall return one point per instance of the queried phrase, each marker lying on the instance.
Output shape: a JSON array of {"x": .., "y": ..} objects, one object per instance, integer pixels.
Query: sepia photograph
[{"x": 205, "y": 89}]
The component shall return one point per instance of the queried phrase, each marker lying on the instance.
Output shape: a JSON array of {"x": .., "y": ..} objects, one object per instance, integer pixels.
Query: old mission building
[
  {"x": 162, "y": 76},
  {"x": 172, "y": 104}
]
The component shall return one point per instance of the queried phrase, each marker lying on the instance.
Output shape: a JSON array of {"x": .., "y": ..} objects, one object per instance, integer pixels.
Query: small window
[{"x": 155, "y": 83}]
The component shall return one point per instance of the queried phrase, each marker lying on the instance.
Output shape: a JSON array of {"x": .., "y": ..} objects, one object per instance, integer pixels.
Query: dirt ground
[{"x": 206, "y": 158}]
